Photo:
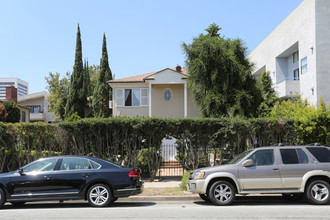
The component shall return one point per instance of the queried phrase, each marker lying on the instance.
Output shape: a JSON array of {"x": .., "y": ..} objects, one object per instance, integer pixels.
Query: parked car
[
  {"x": 69, "y": 177},
  {"x": 293, "y": 171}
]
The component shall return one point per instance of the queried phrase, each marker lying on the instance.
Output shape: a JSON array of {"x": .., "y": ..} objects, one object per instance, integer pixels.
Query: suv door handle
[
  {"x": 275, "y": 168},
  {"x": 48, "y": 177},
  {"x": 86, "y": 175}
]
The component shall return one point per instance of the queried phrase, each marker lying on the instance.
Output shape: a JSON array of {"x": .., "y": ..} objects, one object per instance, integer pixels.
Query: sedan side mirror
[
  {"x": 247, "y": 163},
  {"x": 20, "y": 171}
]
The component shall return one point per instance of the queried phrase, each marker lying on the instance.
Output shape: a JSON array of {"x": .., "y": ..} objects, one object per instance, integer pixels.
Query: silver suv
[{"x": 292, "y": 171}]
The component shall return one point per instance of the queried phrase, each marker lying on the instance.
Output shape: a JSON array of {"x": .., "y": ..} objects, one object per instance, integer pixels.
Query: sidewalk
[{"x": 161, "y": 185}]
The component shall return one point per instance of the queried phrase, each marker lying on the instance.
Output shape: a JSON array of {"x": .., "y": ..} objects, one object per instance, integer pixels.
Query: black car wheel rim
[{"x": 99, "y": 195}]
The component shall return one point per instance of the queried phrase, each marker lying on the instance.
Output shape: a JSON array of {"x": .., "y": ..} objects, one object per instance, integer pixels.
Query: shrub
[{"x": 184, "y": 180}]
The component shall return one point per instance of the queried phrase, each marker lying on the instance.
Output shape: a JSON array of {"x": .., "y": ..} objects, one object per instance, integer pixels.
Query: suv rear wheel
[
  {"x": 318, "y": 192},
  {"x": 222, "y": 193}
]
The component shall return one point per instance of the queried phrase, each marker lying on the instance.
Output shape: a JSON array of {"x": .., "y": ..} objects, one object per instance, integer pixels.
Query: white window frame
[{"x": 120, "y": 97}]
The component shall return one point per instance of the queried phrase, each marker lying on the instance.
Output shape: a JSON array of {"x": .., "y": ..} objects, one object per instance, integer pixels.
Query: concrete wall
[
  {"x": 322, "y": 49},
  {"x": 299, "y": 27}
]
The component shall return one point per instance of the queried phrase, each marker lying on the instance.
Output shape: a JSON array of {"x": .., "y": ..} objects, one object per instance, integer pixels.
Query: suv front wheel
[
  {"x": 318, "y": 192},
  {"x": 222, "y": 193}
]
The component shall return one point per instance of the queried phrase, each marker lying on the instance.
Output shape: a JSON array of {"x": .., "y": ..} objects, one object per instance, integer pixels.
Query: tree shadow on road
[
  {"x": 73, "y": 204},
  {"x": 258, "y": 200}
]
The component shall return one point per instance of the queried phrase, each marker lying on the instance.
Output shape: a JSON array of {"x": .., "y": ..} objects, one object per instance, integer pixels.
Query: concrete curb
[{"x": 160, "y": 198}]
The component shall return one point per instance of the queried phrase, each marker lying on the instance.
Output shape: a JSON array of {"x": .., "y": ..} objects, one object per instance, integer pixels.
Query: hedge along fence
[{"x": 136, "y": 142}]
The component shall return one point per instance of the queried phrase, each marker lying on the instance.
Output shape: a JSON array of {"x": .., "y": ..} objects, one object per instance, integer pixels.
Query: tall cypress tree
[
  {"x": 102, "y": 92},
  {"x": 77, "y": 97},
  {"x": 87, "y": 80}
]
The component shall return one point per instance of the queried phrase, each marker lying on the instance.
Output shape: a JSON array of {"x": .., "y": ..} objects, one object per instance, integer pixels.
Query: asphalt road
[{"x": 243, "y": 208}]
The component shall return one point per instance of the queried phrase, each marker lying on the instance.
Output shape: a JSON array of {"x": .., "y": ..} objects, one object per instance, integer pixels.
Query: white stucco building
[
  {"x": 38, "y": 105},
  {"x": 297, "y": 53}
]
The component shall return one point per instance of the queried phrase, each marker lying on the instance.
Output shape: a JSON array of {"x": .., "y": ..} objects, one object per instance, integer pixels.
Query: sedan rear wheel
[
  {"x": 222, "y": 193},
  {"x": 318, "y": 192},
  {"x": 2, "y": 198},
  {"x": 99, "y": 195}
]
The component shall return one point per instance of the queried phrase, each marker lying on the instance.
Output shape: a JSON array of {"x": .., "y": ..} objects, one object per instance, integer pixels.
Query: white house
[
  {"x": 38, "y": 105},
  {"x": 297, "y": 53}
]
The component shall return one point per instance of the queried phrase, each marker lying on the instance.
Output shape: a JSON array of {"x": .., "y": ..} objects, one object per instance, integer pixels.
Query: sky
[{"x": 39, "y": 36}]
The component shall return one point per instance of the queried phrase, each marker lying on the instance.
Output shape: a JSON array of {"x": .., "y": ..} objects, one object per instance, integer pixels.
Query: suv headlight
[{"x": 198, "y": 174}]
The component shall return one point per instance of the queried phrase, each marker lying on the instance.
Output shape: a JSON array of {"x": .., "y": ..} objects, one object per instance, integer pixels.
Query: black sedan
[{"x": 69, "y": 177}]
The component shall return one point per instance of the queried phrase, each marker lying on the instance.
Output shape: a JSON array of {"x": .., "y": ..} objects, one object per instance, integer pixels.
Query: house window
[
  {"x": 132, "y": 97},
  {"x": 168, "y": 95},
  {"x": 304, "y": 67},
  {"x": 296, "y": 74},
  {"x": 295, "y": 57}
]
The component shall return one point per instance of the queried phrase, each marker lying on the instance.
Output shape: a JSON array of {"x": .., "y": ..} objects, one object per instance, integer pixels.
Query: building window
[
  {"x": 296, "y": 74},
  {"x": 304, "y": 67},
  {"x": 168, "y": 95},
  {"x": 132, "y": 97},
  {"x": 35, "y": 109},
  {"x": 295, "y": 57},
  {"x": 312, "y": 91}
]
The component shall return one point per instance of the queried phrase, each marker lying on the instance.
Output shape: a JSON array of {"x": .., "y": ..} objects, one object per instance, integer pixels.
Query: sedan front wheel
[{"x": 99, "y": 195}]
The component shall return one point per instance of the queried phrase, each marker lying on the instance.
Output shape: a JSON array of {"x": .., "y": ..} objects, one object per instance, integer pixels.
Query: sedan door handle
[
  {"x": 86, "y": 175},
  {"x": 275, "y": 168},
  {"x": 48, "y": 177}
]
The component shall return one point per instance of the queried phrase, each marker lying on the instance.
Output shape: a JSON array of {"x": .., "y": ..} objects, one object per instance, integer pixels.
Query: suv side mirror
[{"x": 247, "y": 163}]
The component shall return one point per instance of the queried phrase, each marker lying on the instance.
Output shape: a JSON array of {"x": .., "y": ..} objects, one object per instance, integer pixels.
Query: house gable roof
[{"x": 147, "y": 76}]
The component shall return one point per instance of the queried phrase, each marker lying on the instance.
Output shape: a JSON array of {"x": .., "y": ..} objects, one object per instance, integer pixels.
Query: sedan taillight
[{"x": 134, "y": 173}]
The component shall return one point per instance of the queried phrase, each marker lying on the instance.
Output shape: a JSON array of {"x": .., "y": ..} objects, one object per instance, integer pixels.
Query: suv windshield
[{"x": 240, "y": 157}]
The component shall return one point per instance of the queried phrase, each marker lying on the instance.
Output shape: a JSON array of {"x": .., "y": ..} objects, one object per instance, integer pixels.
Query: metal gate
[{"x": 170, "y": 166}]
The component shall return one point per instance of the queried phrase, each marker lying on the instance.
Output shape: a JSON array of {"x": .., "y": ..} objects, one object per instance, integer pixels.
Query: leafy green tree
[
  {"x": 77, "y": 98},
  {"x": 13, "y": 112},
  {"x": 220, "y": 75},
  {"x": 268, "y": 94},
  {"x": 58, "y": 93},
  {"x": 102, "y": 91},
  {"x": 94, "y": 72},
  {"x": 312, "y": 123}
]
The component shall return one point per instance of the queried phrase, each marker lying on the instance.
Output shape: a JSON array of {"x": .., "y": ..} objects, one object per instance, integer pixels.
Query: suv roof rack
[{"x": 314, "y": 144}]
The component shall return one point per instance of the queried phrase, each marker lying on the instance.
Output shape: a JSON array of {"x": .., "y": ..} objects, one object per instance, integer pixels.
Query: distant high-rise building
[{"x": 22, "y": 86}]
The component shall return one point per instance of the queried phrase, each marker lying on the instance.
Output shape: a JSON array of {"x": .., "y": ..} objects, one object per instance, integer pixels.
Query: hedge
[{"x": 136, "y": 142}]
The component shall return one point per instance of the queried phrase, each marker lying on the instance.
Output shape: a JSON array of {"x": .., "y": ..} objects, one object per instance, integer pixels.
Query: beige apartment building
[{"x": 162, "y": 93}]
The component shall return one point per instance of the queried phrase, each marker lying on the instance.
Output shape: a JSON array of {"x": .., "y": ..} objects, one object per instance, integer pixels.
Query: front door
[
  {"x": 264, "y": 174},
  {"x": 35, "y": 180}
]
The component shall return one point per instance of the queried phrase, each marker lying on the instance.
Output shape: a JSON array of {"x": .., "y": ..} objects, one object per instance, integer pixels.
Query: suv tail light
[{"x": 135, "y": 173}]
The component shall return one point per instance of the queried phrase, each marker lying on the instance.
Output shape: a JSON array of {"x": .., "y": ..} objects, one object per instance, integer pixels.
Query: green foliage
[
  {"x": 268, "y": 94},
  {"x": 13, "y": 112},
  {"x": 58, "y": 93},
  {"x": 77, "y": 97},
  {"x": 102, "y": 91},
  {"x": 312, "y": 123},
  {"x": 136, "y": 142},
  {"x": 184, "y": 180},
  {"x": 74, "y": 117},
  {"x": 220, "y": 75}
]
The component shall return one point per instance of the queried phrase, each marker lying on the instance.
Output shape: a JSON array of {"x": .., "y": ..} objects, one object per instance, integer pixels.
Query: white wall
[{"x": 299, "y": 27}]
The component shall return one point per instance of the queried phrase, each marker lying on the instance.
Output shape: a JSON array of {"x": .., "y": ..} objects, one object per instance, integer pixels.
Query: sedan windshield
[{"x": 240, "y": 157}]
